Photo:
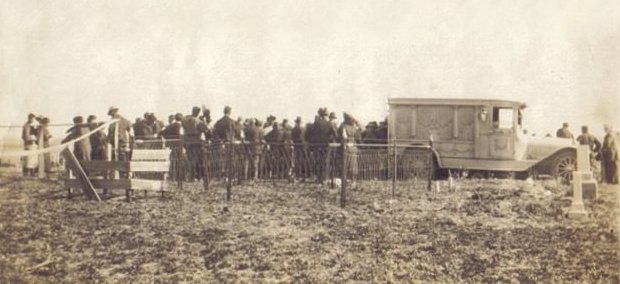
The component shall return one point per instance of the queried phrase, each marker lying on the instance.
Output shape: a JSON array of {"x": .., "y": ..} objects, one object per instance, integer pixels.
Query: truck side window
[{"x": 503, "y": 118}]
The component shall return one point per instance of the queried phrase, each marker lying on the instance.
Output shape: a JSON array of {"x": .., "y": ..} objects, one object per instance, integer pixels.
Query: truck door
[{"x": 496, "y": 134}]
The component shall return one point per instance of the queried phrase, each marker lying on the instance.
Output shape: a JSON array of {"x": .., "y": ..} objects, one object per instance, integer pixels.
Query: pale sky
[{"x": 64, "y": 58}]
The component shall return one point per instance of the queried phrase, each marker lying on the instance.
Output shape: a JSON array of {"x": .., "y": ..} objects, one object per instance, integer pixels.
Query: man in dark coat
[
  {"x": 178, "y": 160},
  {"x": 193, "y": 144},
  {"x": 565, "y": 132},
  {"x": 98, "y": 140},
  {"x": 298, "y": 137},
  {"x": 81, "y": 148},
  {"x": 369, "y": 136},
  {"x": 594, "y": 144},
  {"x": 27, "y": 130},
  {"x": 224, "y": 128},
  {"x": 139, "y": 128},
  {"x": 609, "y": 157},
  {"x": 253, "y": 149},
  {"x": 121, "y": 153},
  {"x": 275, "y": 154},
  {"x": 324, "y": 133}
]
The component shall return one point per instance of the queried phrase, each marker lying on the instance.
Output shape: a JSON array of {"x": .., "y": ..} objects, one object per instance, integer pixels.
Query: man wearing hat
[
  {"x": 369, "y": 135},
  {"x": 565, "y": 132},
  {"x": 174, "y": 130},
  {"x": 224, "y": 128},
  {"x": 609, "y": 157},
  {"x": 121, "y": 153},
  {"x": 82, "y": 147},
  {"x": 98, "y": 140},
  {"x": 253, "y": 149},
  {"x": 324, "y": 133},
  {"x": 27, "y": 130},
  {"x": 298, "y": 136},
  {"x": 193, "y": 143},
  {"x": 332, "y": 120},
  {"x": 350, "y": 134}
]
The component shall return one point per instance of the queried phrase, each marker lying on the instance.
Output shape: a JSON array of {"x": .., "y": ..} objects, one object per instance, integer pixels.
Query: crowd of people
[
  {"x": 606, "y": 152},
  {"x": 270, "y": 148},
  {"x": 265, "y": 143}
]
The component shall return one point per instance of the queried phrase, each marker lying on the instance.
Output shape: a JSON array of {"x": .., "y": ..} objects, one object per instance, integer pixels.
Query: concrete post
[
  {"x": 577, "y": 210},
  {"x": 583, "y": 158},
  {"x": 588, "y": 185},
  {"x": 41, "y": 168}
]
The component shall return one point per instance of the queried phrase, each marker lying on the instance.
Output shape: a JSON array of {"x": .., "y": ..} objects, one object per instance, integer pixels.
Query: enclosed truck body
[{"x": 478, "y": 135}]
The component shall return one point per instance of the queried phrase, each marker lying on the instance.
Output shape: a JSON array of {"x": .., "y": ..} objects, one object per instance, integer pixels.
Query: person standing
[
  {"x": 45, "y": 136},
  {"x": 98, "y": 140},
  {"x": 565, "y": 132},
  {"x": 121, "y": 152},
  {"x": 31, "y": 160},
  {"x": 298, "y": 136},
  {"x": 224, "y": 132},
  {"x": 224, "y": 128},
  {"x": 593, "y": 144},
  {"x": 82, "y": 147},
  {"x": 609, "y": 157},
  {"x": 324, "y": 133},
  {"x": 350, "y": 134},
  {"x": 193, "y": 144},
  {"x": 250, "y": 166},
  {"x": 27, "y": 130},
  {"x": 275, "y": 154}
]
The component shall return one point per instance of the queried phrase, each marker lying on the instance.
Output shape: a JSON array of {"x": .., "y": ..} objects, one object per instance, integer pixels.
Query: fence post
[
  {"x": 117, "y": 151},
  {"x": 41, "y": 173},
  {"x": 395, "y": 168},
  {"x": 229, "y": 170},
  {"x": 343, "y": 189},
  {"x": 180, "y": 163},
  {"x": 205, "y": 169},
  {"x": 430, "y": 168}
]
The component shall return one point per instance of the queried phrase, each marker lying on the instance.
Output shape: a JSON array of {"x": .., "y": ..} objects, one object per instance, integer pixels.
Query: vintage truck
[{"x": 480, "y": 137}]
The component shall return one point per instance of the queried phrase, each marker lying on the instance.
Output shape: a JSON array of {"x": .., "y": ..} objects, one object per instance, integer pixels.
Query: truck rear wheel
[{"x": 563, "y": 166}]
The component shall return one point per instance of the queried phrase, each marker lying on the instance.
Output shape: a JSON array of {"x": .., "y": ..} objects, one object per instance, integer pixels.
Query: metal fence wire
[{"x": 233, "y": 163}]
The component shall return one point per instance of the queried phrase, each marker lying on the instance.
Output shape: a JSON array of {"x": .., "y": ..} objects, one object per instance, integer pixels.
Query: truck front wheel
[{"x": 563, "y": 166}]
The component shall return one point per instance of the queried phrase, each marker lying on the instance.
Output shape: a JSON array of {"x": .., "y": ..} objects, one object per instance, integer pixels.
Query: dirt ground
[{"x": 483, "y": 231}]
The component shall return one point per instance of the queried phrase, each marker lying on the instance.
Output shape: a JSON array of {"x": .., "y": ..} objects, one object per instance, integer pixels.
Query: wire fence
[{"x": 347, "y": 166}]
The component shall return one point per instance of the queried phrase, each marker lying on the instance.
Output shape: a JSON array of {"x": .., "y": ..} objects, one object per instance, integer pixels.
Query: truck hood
[{"x": 539, "y": 148}]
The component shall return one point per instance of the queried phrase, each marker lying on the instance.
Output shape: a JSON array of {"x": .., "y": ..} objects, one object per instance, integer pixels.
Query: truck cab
[{"x": 477, "y": 135}]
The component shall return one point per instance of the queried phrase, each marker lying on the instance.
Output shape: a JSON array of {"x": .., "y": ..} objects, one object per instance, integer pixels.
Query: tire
[{"x": 563, "y": 166}]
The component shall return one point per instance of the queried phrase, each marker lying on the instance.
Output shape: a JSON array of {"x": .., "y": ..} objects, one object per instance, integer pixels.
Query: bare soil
[{"x": 482, "y": 231}]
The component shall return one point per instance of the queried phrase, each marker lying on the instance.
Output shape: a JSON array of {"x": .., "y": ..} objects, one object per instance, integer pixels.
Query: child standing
[{"x": 32, "y": 160}]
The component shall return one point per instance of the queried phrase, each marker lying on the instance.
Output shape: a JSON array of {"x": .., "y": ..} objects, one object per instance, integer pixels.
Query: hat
[
  {"x": 112, "y": 110},
  {"x": 227, "y": 109},
  {"x": 332, "y": 115},
  {"x": 195, "y": 109},
  {"x": 78, "y": 119},
  {"x": 178, "y": 117},
  {"x": 298, "y": 120},
  {"x": 91, "y": 118}
]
